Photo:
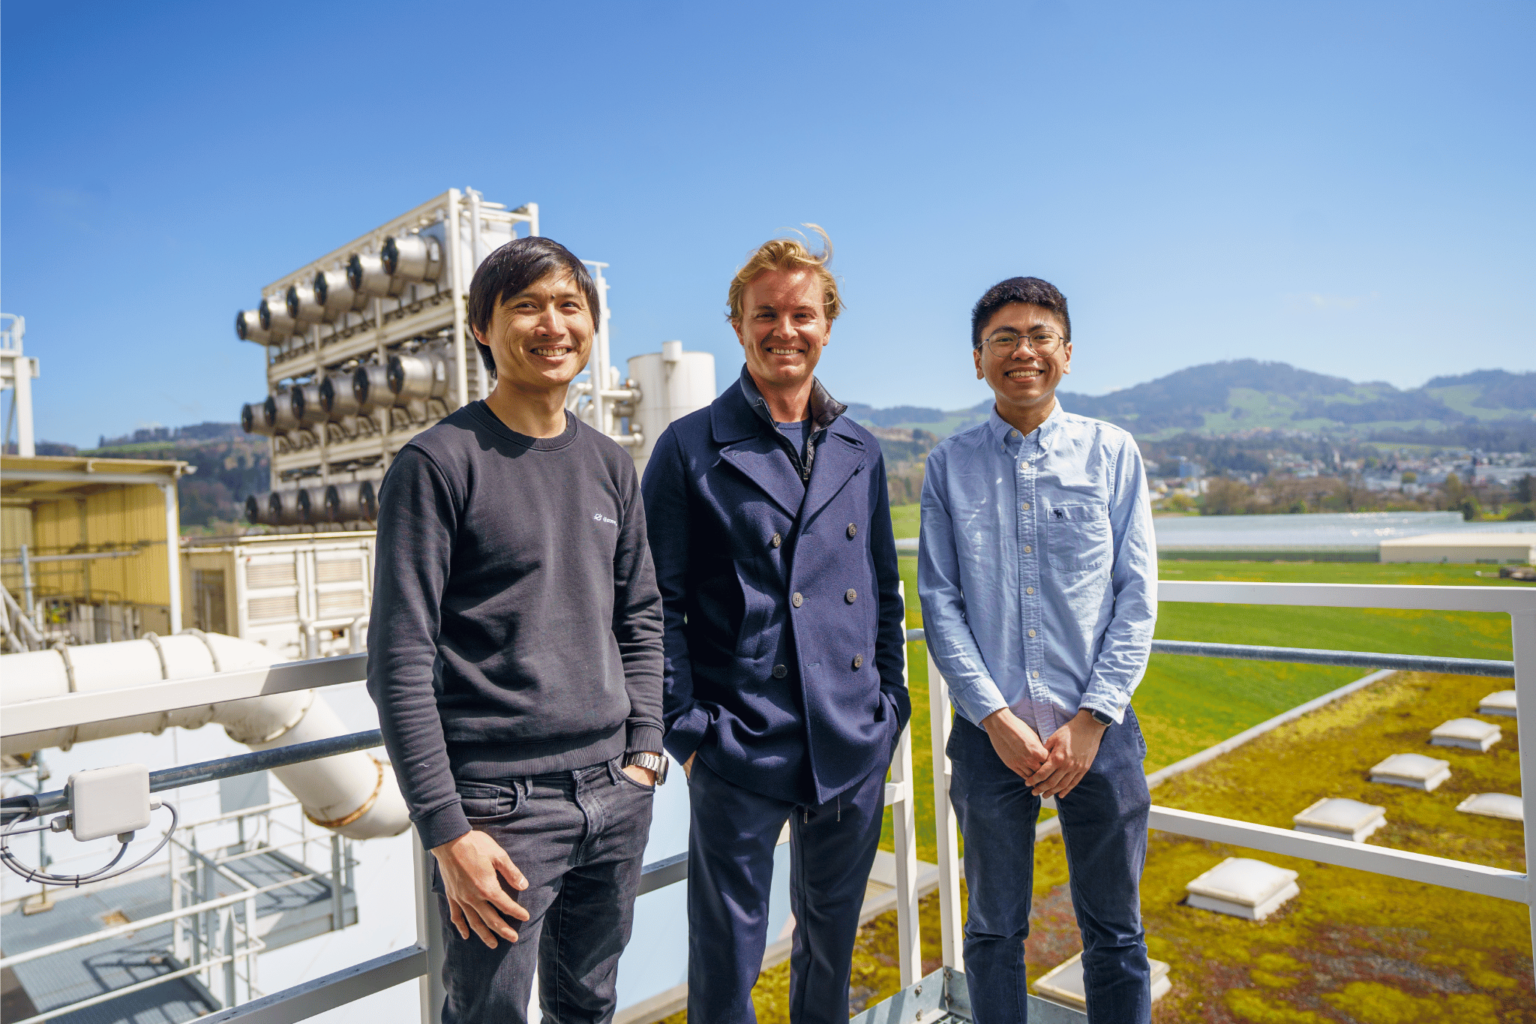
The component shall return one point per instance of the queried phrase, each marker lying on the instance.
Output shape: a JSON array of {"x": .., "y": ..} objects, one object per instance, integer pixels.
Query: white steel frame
[
  {"x": 16, "y": 373},
  {"x": 422, "y": 960},
  {"x": 386, "y": 323}
]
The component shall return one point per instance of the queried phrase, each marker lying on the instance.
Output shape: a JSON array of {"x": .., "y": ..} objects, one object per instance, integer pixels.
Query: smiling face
[
  {"x": 784, "y": 327},
  {"x": 1023, "y": 381},
  {"x": 541, "y": 337}
]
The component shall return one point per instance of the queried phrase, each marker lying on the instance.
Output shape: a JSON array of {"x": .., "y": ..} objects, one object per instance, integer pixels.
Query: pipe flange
[
  {"x": 69, "y": 665},
  {"x": 343, "y": 822},
  {"x": 154, "y": 638},
  {"x": 212, "y": 654}
]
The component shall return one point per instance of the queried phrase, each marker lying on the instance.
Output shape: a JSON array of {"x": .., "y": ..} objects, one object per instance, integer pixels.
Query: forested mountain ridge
[{"x": 1217, "y": 399}]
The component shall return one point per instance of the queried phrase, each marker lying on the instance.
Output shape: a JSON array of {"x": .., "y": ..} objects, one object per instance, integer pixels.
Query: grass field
[{"x": 1187, "y": 704}]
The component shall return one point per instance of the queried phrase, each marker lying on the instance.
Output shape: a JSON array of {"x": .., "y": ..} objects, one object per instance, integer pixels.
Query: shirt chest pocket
[{"x": 1077, "y": 537}]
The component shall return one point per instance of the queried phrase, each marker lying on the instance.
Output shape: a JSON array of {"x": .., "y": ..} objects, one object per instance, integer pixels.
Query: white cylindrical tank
[
  {"x": 672, "y": 383},
  {"x": 350, "y": 793}
]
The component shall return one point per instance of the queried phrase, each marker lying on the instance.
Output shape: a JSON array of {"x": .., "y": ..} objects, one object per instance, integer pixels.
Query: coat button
[
  {"x": 851, "y": 596},
  {"x": 777, "y": 540},
  {"x": 858, "y": 661},
  {"x": 797, "y": 600},
  {"x": 852, "y": 531},
  {"x": 779, "y": 671}
]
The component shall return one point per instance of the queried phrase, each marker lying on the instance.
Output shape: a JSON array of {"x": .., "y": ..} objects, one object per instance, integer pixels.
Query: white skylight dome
[
  {"x": 1243, "y": 887},
  {"x": 1416, "y": 771},
  {"x": 1500, "y": 703},
  {"x": 1064, "y": 983},
  {"x": 1340, "y": 818},
  {"x": 1466, "y": 732},
  {"x": 1494, "y": 805}
]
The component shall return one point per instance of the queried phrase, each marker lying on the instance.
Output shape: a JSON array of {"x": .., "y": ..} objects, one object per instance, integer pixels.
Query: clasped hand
[{"x": 1054, "y": 767}]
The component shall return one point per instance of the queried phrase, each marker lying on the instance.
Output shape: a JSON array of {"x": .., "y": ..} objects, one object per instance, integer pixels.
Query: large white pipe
[{"x": 350, "y": 793}]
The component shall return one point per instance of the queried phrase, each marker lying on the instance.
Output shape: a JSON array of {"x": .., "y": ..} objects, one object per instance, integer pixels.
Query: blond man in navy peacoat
[{"x": 770, "y": 529}]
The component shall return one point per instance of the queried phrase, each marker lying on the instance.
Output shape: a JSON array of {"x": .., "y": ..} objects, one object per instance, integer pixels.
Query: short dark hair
[
  {"x": 1019, "y": 289},
  {"x": 513, "y": 268}
]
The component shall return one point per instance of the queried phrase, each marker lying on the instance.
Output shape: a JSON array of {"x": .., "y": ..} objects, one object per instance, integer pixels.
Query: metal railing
[
  {"x": 1520, "y": 605},
  {"x": 423, "y": 959},
  {"x": 213, "y": 937}
]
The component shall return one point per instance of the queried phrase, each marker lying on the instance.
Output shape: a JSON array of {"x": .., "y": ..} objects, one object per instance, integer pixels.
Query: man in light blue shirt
[{"x": 1038, "y": 578}]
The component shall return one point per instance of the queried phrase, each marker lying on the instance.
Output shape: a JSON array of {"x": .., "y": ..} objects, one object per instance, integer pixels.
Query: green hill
[{"x": 1242, "y": 395}]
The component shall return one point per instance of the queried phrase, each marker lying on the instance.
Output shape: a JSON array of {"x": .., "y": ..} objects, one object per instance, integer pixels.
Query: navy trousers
[
  {"x": 731, "y": 839},
  {"x": 1104, "y": 827}
]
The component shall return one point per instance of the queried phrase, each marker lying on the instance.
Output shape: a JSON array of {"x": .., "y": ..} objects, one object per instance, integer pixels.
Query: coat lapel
[
  {"x": 839, "y": 459},
  {"x": 747, "y": 447}
]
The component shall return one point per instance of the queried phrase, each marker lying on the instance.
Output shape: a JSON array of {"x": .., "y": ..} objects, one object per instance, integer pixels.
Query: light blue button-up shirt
[{"x": 1037, "y": 568}]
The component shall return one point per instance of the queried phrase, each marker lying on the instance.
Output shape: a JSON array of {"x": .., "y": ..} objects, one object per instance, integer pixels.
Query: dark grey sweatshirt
[{"x": 516, "y": 624}]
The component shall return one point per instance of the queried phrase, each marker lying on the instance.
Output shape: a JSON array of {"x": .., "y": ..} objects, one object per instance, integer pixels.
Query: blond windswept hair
[{"x": 787, "y": 254}]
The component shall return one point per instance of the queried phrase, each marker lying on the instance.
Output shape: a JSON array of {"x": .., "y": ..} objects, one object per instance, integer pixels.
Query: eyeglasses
[{"x": 1041, "y": 343}]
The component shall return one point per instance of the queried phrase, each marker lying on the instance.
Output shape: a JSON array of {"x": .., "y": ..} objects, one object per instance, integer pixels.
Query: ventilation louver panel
[
  {"x": 282, "y": 606},
  {"x": 273, "y": 574},
  {"x": 339, "y": 570}
]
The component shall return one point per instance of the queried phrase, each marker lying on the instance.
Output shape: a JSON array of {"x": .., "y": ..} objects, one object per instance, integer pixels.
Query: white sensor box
[{"x": 109, "y": 801}]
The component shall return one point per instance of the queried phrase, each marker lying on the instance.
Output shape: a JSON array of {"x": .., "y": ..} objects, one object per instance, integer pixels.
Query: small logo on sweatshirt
[{"x": 600, "y": 518}]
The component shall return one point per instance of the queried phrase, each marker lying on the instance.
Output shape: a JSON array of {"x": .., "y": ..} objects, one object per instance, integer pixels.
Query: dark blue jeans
[
  {"x": 577, "y": 837},
  {"x": 1104, "y": 827},
  {"x": 731, "y": 839}
]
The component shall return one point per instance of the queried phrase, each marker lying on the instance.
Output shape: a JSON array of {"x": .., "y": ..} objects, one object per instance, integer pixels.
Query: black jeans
[
  {"x": 577, "y": 837},
  {"x": 1104, "y": 827}
]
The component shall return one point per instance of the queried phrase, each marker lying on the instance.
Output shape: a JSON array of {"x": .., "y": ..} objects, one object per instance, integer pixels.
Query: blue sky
[{"x": 1346, "y": 187}]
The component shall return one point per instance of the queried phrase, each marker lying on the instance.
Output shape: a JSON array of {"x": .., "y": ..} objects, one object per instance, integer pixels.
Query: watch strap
[{"x": 653, "y": 762}]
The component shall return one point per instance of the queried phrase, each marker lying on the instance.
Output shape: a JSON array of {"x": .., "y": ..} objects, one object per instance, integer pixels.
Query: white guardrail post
[
  {"x": 901, "y": 795},
  {"x": 1523, "y": 630},
  {"x": 946, "y": 828},
  {"x": 429, "y": 935}
]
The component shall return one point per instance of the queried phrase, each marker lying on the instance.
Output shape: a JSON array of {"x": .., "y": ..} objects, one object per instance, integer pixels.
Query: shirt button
[
  {"x": 1035, "y": 674},
  {"x": 1013, "y": 433},
  {"x": 1027, "y": 590},
  {"x": 1027, "y": 549},
  {"x": 1025, "y": 506},
  {"x": 777, "y": 540},
  {"x": 797, "y": 600},
  {"x": 851, "y": 596},
  {"x": 852, "y": 531},
  {"x": 779, "y": 671},
  {"x": 1031, "y": 632},
  {"x": 858, "y": 661}
]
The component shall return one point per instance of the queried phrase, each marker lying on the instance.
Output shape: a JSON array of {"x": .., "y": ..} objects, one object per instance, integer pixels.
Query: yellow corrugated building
[{"x": 96, "y": 533}]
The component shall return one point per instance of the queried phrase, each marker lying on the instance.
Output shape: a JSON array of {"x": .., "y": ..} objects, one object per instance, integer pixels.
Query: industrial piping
[{"x": 353, "y": 794}]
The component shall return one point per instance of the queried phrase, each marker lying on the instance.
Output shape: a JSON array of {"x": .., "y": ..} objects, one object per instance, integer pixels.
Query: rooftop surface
[{"x": 1352, "y": 946}]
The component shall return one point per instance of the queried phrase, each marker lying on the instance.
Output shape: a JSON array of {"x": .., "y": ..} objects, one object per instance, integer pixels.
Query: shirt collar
[
  {"x": 1004, "y": 433},
  {"x": 823, "y": 407}
]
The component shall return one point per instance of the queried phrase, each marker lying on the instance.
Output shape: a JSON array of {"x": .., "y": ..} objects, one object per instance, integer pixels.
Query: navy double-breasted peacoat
[{"x": 784, "y": 622}]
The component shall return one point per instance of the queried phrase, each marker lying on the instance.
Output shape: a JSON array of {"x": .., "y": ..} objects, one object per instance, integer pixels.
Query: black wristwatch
[
  {"x": 655, "y": 762},
  {"x": 1101, "y": 717}
]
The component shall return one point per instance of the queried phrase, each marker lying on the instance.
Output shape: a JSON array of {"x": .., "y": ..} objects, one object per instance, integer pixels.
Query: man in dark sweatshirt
[{"x": 515, "y": 657}]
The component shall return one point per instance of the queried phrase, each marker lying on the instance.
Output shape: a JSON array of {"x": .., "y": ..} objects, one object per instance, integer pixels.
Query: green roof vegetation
[{"x": 1353, "y": 947}]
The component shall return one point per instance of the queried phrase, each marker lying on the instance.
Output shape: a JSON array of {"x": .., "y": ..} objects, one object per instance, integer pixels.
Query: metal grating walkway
[{"x": 283, "y": 916}]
